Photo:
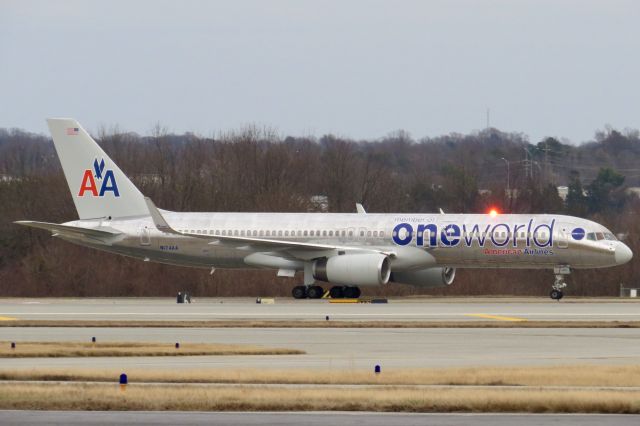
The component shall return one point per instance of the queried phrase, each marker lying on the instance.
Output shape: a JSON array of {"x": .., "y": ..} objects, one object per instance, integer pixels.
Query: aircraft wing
[
  {"x": 56, "y": 229},
  {"x": 251, "y": 242}
]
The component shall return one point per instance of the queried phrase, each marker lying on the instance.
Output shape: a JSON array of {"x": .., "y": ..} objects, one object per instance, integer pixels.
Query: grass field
[
  {"x": 190, "y": 397},
  {"x": 105, "y": 349},
  {"x": 579, "y": 376}
]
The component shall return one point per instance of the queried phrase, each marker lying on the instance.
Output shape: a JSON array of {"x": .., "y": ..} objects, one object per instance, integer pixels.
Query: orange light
[{"x": 493, "y": 212}]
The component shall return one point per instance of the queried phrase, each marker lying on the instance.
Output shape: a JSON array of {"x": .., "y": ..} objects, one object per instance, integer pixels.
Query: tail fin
[{"x": 98, "y": 187}]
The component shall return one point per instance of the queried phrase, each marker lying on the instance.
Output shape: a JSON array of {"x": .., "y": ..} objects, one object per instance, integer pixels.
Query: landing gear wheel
[
  {"x": 299, "y": 292},
  {"x": 315, "y": 292},
  {"x": 351, "y": 292},
  {"x": 556, "y": 294},
  {"x": 336, "y": 292}
]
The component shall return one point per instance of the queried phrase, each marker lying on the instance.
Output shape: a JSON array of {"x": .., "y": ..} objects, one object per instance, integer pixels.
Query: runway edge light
[{"x": 123, "y": 382}]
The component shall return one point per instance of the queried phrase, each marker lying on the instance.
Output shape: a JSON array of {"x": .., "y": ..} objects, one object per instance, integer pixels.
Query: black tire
[
  {"x": 315, "y": 292},
  {"x": 556, "y": 294},
  {"x": 299, "y": 292},
  {"x": 336, "y": 292},
  {"x": 351, "y": 292}
]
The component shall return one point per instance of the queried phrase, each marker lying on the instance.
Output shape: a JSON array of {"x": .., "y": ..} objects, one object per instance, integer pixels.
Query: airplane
[{"x": 346, "y": 250}]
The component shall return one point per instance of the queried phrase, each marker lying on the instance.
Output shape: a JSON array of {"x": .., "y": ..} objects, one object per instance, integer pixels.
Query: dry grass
[
  {"x": 109, "y": 397},
  {"x": 584, "y": 376},
  {"x": 320, "y": 324},
  {"x": 107, "y": 349}
]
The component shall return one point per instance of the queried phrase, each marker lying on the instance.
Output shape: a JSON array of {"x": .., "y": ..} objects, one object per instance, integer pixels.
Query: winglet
[
  {"x": 360, "y": 209},
  {"x": 158, "y": 219}
]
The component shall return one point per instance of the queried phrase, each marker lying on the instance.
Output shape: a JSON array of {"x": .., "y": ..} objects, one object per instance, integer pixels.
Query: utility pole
[
  {"x": 508, "y": 183},
  {"x": 546, "y": 162},
  {"x": 527, "y": 164}
]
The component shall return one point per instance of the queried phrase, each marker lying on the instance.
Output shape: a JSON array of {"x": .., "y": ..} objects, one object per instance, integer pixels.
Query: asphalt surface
[
  {"x": 348, "y": 348},
  {"x": 289, "y": 309},
  {"x": 339, "y": 348},
  {"x": 306, "y": 418}
]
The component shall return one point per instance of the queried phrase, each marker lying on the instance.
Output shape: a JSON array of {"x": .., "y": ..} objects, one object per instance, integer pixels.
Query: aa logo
[{"x": 98, "y": 181}]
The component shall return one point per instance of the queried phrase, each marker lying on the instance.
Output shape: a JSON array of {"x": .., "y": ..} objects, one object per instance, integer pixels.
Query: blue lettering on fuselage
[{"x": 451, "y": 235}]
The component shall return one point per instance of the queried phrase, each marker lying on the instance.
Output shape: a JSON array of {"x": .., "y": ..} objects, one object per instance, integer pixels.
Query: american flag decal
[{"x": 72, "y": 131}]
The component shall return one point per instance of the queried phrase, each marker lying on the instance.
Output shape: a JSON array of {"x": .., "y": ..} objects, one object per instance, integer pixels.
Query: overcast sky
[{"x": 359, "y": 69}]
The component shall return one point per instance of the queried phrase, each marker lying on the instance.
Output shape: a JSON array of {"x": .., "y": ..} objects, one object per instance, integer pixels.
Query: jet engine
[
  {"x": 353, "y": 269},
  {"x": 426, "y": 278}
]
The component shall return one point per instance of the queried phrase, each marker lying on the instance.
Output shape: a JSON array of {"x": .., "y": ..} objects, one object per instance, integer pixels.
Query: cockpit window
[
  {"x": 610, "y": 237},
  {"x": 599, "y": 236},
  {"x": 591, "y": 236}
]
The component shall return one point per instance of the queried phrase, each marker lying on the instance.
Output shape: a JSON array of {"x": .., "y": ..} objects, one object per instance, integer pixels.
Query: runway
[
  {"x": 307, "y": 418},
  {"x": 349, "y": 348},
  {"x": 449, "y": 309},
  {"x": 340, "y": 348}
]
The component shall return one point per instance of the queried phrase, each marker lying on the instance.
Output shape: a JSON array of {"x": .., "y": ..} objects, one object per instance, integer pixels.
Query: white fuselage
[{"x": 414, "y": 240}]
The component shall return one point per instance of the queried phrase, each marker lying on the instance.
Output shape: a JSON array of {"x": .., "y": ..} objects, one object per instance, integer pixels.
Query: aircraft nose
[{"x": 623, "y": 254}]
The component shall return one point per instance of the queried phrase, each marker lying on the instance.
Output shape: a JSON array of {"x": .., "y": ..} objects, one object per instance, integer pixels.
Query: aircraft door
[
  {"x": 564, "y": 231},
  {"x": 145, "y": 236},
  {"x": 449, "y": 251}
]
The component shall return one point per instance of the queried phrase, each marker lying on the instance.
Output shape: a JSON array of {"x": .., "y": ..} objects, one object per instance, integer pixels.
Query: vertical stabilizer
[{"x": 98, "y": 187}]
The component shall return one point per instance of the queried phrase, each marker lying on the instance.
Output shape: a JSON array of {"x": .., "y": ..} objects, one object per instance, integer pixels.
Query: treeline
[{"x": 257, "y": 169}]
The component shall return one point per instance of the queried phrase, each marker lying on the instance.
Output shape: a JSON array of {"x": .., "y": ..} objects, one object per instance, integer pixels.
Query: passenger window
[
  {"x": 324, "y": 233},
  {"x": 311, "y": 233},
  {"x": 362, "y": 233},
  {"x": 286, "y": 233},
  {"x": 331, "y": 233},
  {"x": 375, "y": 233},
  {"x": 350, "y": 233},
  {"x": 306, "y": 233},
  {"x": 344, "y": 233},
  {"x": 381, "y": 234}
]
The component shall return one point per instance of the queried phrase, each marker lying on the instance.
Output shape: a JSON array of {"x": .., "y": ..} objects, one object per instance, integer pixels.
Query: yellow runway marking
[
  {"x": 496, "y": 317},
  {"x": 7, "y": 319}
]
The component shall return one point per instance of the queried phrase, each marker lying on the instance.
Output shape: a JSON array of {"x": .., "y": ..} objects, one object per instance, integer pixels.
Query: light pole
[{"x": 508, "y": 186}]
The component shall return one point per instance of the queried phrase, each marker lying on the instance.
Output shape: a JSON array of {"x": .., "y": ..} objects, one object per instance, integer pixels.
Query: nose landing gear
[{"x": 559, "y": 284}]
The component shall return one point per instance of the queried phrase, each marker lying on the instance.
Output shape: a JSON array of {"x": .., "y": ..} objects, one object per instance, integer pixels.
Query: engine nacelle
[
  {"x": 353, "y": 269},
  {"x": 426, "y": 278}
]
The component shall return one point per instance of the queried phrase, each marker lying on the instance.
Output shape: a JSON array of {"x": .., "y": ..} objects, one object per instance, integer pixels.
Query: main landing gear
[
  {"x": 344, "y": 292},
  {"x": 316, "y": 292},
  {"x": 559, "y": 284},
  {"x": 311, "y": 292}
]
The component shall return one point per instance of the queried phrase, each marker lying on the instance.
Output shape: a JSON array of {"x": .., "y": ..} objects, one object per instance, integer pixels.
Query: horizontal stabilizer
[{"x": 72, "y": 231}]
